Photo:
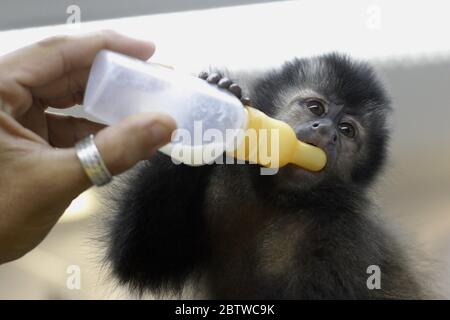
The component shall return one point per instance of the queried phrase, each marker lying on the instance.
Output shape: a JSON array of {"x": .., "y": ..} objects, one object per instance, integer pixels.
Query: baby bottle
[{"x": 210, "y": 120}]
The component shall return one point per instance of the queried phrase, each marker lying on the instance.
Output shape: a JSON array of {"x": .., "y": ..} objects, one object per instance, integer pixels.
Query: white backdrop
[{"x": 257, "y": 35}]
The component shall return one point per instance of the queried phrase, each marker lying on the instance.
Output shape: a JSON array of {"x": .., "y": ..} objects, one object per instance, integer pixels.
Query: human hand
[{"x": 40, "y": 173}]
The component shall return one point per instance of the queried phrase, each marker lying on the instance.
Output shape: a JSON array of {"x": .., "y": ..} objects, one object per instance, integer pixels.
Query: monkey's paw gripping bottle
[{"x": 210, "y": 121}]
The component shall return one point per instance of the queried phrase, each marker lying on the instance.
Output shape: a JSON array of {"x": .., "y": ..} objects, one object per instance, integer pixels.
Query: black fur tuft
[{"x": 157, "y": 236}]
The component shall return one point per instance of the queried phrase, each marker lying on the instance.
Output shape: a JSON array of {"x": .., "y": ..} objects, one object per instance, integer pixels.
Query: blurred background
[{"x": 407, "y": 41}]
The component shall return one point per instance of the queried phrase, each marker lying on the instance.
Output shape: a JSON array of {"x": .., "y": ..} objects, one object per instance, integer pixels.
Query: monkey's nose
[
  {"x": 324, "y": 132},
  {"x": 323, "y": 126}
]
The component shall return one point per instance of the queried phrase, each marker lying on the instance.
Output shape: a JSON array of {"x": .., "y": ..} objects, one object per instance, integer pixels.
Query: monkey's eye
[
  {"x": 347, "y": 129},
  {"x": 315, "y": 107}
]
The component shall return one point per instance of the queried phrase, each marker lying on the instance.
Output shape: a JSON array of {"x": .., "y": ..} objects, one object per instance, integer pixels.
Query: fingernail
[{"x": 160, "y": 133}]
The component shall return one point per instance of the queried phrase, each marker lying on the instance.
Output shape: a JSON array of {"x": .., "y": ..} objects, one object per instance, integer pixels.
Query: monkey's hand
[{"x": 222, "y": 81}]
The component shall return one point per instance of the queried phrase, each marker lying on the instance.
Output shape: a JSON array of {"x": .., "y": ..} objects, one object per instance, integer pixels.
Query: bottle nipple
[{"x": 273, "y": 143}]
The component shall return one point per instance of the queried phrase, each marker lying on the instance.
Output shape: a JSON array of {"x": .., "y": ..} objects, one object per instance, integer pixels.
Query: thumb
[
  {"x": 136, "y": 138},
  {"x": 121, "y": 146}
]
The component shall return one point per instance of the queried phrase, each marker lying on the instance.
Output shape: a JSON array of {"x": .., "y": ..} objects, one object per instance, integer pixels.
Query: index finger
[{"x": 52, "y": 58}]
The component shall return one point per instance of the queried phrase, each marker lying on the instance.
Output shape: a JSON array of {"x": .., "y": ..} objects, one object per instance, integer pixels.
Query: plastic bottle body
[{"x": 209, "y": 121}]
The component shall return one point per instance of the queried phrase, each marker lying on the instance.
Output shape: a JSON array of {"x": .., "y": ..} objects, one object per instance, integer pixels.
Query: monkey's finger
[
  {"x": 246, "y": 101},
  {"x": 236, "y": 90},
  {"x": 224, "y": 83},
  {"x": 64, "y": 131},
  {"x": 213, "y": 78},
  {"x": 203, "y": 75}
]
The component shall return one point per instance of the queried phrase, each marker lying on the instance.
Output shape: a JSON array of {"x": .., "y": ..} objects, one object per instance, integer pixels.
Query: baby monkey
[{"x": 233, "y": 233}]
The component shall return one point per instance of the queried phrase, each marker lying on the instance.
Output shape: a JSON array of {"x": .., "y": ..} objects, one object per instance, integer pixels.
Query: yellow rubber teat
[{"x": 272, "y": 143}]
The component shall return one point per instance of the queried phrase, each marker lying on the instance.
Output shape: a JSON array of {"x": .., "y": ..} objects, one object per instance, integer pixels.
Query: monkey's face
[
  {"x": 339, "y": 106},
  {"x": 324, "y": 123}
]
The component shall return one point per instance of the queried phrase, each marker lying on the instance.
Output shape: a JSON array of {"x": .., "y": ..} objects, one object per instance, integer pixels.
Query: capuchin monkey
[{"x": 232, "y": 233}]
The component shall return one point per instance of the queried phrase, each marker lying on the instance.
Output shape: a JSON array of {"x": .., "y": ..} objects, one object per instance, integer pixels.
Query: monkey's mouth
[
  {"x": 294, "y": 178},
  {"x": 302, "y": 173},
  {"x": 298, "y": 173},
  {"x": 312, "y": 143}
]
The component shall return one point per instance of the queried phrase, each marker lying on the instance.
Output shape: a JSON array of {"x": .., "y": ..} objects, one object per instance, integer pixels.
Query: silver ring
[{"x": 92, "y": 161}]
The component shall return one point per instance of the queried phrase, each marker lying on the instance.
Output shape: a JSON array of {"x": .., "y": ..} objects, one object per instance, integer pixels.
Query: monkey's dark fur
[{"x": 292, "y": 235}]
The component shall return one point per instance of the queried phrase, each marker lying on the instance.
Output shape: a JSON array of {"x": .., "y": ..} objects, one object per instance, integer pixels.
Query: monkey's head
[{"x": 336, "y": 104}]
